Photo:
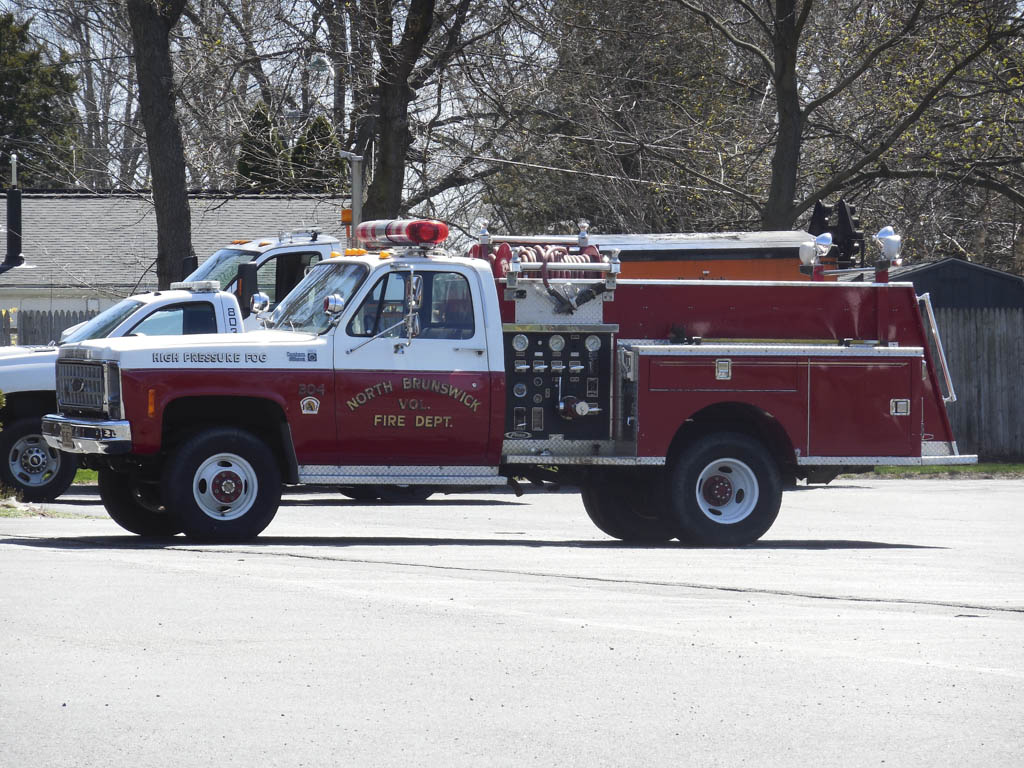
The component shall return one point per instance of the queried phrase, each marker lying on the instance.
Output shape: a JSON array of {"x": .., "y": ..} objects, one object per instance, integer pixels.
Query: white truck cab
[
  {"x": 281, "y": 263},
  {"x": 37, "y": 472},
  {"x": 28, "y": 466}
]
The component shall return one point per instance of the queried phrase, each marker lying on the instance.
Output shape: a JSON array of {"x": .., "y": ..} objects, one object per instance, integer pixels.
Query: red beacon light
[{"x": 386, "y": 232}]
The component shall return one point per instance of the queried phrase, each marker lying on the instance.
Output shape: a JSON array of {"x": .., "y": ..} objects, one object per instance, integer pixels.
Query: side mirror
[
  {"x": 189, "y": 265},
  {"x": 247, "y": 286},
  {"x": 414, "y": 292},
  {"x": 259, "y": 302}
]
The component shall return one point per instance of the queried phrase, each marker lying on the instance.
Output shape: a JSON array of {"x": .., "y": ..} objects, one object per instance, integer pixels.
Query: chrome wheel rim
[
  {"x": 727, "y": 491},
  {"x": 32, "y": 462},
  {"x": 225, "y": 486}
]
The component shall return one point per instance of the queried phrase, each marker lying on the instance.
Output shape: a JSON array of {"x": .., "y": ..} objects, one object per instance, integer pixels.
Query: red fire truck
[{"x": 681, "y": 409}]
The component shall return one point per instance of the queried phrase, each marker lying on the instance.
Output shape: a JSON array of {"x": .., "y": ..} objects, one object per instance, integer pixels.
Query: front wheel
[
  {"x": 32, "y": 469},
  {"x": 223, "y": 484},
  {"x": 135, "y": 505},
  {"x": 724, "y": 491}
]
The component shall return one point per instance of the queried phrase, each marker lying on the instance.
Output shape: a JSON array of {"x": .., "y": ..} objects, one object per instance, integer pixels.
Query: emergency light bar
[
  {"x": 384, "y": 232},
  {"x": 197, "y": 286}
]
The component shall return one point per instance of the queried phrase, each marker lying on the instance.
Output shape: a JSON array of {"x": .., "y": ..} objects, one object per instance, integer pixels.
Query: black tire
[
  {"x": 30, "y": 467},
  {"x": 724, "y": 491},
  {"x": 223, "y": 484},
  {"x": 134, "y": 505},
  {"x": 629, "y": 506}
]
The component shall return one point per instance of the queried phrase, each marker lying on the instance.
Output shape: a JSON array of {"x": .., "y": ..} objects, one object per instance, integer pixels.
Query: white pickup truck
[
  {"x": 37, "y": 472},
  {"x": 31, "y": 468}
]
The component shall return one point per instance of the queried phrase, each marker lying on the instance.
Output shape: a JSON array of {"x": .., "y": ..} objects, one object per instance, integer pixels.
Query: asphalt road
[{"x": 878, "y": 622}]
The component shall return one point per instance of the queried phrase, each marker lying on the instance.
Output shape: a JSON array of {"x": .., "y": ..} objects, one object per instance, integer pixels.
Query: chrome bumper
[{"x": 79, "y": 435}]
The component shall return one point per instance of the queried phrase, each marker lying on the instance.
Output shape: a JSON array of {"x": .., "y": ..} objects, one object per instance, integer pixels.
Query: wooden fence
[
  {"x": 32, "y": 326},
  {"x": 985, "y": 350}
]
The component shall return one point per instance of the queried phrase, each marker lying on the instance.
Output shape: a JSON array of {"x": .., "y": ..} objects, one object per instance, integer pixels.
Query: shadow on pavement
[{"x": 132, "y": 542}]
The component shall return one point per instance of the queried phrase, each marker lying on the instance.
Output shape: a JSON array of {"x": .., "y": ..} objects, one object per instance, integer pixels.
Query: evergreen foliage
[
  {"x": 263, "y": 157},
  {"x": 316, "y": 161},
  {"x": 37, "y": 115}
]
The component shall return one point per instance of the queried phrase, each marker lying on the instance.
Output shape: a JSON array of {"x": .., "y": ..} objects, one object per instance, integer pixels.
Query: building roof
[
  {"x": 106, "y": 243},
  {"x": 959, "y": 284}
]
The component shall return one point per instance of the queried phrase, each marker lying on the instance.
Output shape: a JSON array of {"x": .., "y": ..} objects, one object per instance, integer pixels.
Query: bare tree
[{"x": 151, "y": 25}]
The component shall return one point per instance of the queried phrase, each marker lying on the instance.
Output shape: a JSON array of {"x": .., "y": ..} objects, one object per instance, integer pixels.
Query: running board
[{"x": 327, "y": 474}]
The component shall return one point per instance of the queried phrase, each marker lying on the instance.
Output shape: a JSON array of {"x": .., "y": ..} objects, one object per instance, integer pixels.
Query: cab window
[
  {"x": 278, "y": 275},
  {"x": 446, "y": 307},
  {"x": 177, "y": 320}
]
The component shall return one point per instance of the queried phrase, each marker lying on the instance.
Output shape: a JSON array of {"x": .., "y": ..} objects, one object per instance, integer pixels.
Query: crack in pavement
[{"x": 697, "y": 586}]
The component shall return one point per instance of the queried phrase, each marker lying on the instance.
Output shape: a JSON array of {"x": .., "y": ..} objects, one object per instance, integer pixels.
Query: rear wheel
[
  {"x": 32, "y": 469},
  {"x": 134, "y": 505},
  {"x": 629, "y": 506},
  {"x": 724, "y": 490},
  {"x": 223, "y": 484}
]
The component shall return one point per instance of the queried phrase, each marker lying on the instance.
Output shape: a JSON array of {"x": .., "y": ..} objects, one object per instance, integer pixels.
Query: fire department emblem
[{"x": 309, "y": 405}]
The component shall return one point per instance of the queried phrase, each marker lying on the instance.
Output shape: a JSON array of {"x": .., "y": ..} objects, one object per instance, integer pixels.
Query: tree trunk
[
  {"x": 384, "y": 197},
  {"x": 778, "y": 209},
  {"x": 151, "y": 22}
]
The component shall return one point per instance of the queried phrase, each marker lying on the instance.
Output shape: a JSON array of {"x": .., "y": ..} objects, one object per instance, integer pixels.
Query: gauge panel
[{"x": 551, "y": 366}]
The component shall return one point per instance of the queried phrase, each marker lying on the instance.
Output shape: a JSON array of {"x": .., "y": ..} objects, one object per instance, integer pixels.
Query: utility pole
[{"x": 14, "y": 257}]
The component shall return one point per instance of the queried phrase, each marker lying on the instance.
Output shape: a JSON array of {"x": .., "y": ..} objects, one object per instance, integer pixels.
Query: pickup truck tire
[
  {"x": 627, "y": 509},
  {"x": 223, "y": 484},
  {"x": 31, "y": 468},
  {"x": 134, "y": 506},
  {"x": 724, "y": 491}
]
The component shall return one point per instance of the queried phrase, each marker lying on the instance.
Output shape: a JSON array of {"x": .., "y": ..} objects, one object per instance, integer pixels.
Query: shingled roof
[{"x": 106, "y": 243}]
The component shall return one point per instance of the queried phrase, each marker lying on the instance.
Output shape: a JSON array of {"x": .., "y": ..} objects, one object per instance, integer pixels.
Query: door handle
[{"x": 477, "y": 350}]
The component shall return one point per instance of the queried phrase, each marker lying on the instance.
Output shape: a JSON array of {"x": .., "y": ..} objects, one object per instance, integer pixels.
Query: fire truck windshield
[
  {"x": 106, "y": 321},
  {"x": 222, "y": 266},
  {"x": 303, "y": 308}
]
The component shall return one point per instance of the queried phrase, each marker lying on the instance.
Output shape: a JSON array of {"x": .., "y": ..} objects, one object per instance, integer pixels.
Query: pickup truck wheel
[
  {"x": 32, "y": 469},
  {"x": 223, "y": 484},
  {"x": 135, "y": 506},
  {"x": 628, "y": 509},
  {"x": 724, "y": 491}
]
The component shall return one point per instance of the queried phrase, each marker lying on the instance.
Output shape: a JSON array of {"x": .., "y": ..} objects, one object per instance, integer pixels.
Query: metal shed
[{"x": 980, "y": 312}]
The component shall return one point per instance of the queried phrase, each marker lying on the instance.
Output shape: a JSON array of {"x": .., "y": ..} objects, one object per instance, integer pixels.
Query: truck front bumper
[{"x": 79, "y": 435}]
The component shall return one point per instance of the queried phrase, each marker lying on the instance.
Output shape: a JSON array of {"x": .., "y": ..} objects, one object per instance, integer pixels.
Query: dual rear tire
[{"x": 723, "y": 490}]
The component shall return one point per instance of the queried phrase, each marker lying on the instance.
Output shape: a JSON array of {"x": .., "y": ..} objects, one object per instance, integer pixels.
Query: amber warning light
[{"x": 385, "y": 232}]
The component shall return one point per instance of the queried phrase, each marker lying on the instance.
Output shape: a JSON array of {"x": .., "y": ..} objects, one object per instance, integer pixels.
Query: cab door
[{"x": 419, "y": 401}]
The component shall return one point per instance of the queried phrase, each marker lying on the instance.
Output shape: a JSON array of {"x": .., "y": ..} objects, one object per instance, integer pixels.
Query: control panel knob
[{"x": 570, "y": 408}]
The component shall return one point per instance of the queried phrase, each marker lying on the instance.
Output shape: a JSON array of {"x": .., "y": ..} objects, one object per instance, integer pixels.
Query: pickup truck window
[
  {"x": 446, "y": 310},
  {"x": 222, "y": 266},
  {"x": 303, "y": 309},
  {"x": 106, "y": 321},
  {"x": 278, "y": 275},
  {"x": 178, "y": 320}
]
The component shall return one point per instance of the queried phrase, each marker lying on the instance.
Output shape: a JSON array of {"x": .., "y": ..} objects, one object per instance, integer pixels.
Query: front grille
[{"x": 80, "y": 386}]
